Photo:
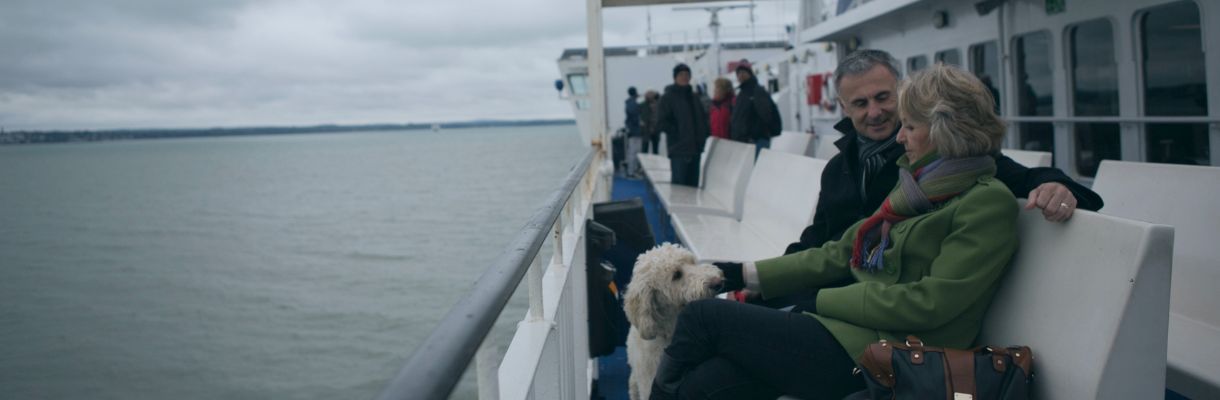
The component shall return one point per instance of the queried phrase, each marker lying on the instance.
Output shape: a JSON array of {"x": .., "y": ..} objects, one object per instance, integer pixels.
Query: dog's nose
[{"x": 716, "y": 283}]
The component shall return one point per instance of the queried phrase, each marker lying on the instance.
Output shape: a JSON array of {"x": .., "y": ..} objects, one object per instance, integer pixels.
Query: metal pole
[{"x": 597, "y": 72}]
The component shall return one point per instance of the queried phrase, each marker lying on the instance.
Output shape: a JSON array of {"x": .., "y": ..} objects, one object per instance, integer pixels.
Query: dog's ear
[{"x": 641, "y": 304}]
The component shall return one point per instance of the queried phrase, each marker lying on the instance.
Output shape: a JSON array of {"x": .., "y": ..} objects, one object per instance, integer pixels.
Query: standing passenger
[
  {"x": 755, "y": 118},
  {"x": 722, "y": 108},
  {"x": 648, "y": 120},
  {"x": 635, "y": 139},
  {"x": 683, "y": 118},
  {"x": 654, "y": 131}
]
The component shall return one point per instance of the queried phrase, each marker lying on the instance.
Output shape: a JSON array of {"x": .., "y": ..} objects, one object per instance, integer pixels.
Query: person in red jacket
[{"x": 722, "y": 108}]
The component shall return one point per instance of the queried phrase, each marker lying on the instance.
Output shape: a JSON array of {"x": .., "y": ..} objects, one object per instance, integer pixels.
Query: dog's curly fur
[{"x": 665, "y": 279}]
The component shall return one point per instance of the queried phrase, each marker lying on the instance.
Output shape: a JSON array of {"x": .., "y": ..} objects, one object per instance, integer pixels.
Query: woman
[
  {"x": 721, "y": 110},
  {"x": 928, "y": 262}
]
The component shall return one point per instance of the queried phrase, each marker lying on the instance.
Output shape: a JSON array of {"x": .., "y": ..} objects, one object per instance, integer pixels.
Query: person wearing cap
[
  {"x": 755, "y": 118},
  {"x": 684, "y": 120}
]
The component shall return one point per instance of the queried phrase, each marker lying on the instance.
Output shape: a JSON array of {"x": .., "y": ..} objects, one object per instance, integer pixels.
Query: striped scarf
[{"x": 934, "y": 181}]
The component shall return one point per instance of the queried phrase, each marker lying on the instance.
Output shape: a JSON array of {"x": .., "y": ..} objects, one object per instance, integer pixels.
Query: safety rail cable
[{"x": 436, "y": 366}]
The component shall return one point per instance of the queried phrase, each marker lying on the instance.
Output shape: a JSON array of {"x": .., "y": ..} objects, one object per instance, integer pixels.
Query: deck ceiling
[{"x": 634, "y": 3}]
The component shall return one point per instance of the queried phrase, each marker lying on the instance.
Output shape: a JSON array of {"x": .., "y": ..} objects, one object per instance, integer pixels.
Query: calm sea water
[{"x": 286, "y": 267}]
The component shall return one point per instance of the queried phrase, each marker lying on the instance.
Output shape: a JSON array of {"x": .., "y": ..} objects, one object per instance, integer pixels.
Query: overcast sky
[{"x": 91, "y": 64}]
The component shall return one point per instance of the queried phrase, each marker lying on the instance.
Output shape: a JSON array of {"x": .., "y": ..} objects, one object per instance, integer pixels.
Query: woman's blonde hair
[
  {"x": 722, "y": 85},
  {"x": 957, "y": 109}
]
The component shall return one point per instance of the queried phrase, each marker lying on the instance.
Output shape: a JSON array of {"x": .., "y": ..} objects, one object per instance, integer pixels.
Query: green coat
[{"x": 940, "y": 274}]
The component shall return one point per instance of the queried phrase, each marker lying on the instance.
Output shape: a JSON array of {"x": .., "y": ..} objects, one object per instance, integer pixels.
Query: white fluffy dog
[{"x": 665, "y": 279}]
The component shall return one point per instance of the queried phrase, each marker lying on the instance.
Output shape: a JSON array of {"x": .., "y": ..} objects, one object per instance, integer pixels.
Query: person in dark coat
[
  {"x": 857, "y": 179},
  {"x": 684, "y": 120},
  {"x": 635, "y": 136},
  {"x": 648, "y": 122},
  {"x": 752, "y": 114}
]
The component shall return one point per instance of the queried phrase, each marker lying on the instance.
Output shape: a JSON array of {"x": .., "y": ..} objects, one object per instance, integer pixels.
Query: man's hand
[
  {"x": 733, "y": 279},
  {"x": 1055, "y": 200}
]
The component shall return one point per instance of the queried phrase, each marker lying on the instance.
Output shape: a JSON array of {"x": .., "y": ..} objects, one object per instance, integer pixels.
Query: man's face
[
  {"x": 742, "y": 76},
  {"x": 871, "y": 100},
  {"x": 683, "y": 78}
]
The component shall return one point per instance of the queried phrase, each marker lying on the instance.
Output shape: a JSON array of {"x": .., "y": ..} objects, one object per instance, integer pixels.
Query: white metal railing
[{"x": 557, "y": 300}]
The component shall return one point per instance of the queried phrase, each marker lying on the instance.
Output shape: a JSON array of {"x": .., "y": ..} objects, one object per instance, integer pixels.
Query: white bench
[
  {"x": 1028, "y": 158},
  {"x": 656, "y": 167},
  {"x": 779, "y": 203},
  {"x": 726, "y": 172},
  {"x": 825, "y": 147},
  {"x": 1185, "y": 197},
  {"x": 1091, "y": 298},
  {"x": 793, "y": 142}
]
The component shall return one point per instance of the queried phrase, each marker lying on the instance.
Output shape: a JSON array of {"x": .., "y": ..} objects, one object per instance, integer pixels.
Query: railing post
[
  {"x": 535, "y": 277},
  {"x": 488, "y": 371},
  {"x": 557, "y": 257}
]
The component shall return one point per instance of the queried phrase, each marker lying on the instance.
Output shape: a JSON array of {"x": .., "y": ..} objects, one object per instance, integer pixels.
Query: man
[
  {"x": 684, "y": 120},
  {"x": 753, "y": 120},
  {"x": 635, "y": 138},
  {"x": 856, "y": 180}
]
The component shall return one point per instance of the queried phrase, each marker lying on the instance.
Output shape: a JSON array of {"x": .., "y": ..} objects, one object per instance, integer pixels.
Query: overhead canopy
[
  {"x": 634, "y": 3},
  {"x": 849, "y": 23}
]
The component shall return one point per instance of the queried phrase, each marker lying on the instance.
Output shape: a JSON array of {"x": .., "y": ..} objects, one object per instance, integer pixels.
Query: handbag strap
[{"x": 960, "y": 364}]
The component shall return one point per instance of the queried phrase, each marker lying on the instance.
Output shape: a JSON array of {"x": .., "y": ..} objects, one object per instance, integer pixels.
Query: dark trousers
[
  {"x": 684, "y": 170},
  {"x": 656, "y": 143},
  {"x": 744, "y": 351}
]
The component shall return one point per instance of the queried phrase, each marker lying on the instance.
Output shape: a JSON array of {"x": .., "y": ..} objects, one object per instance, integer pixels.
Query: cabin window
[
  {"x": 1034, "y": 84},
  {"x": 949, "y": 57},
  {"x": 985, "y": 64},
  {"x": 1174, "y": 83},
  {"x": 580, "y": 88},
  {"x": 916, "y": 63},
  {"x": 1094, "y": 94}
]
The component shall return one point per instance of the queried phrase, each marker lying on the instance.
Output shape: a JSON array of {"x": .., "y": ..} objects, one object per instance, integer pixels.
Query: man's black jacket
[
  {"x": 840, "y": 205},
  {"x": 684, "y": 121}
]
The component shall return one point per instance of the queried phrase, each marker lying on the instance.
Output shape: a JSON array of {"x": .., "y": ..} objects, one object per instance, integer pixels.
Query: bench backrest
[
  {"x": 1185, "y": 197},
  {"x": 825, "y": 147},
  {"x": 793, "y": 142},
  {"x": 727, "y": 171},
  {"x": 1028, "y": 158},
  {"x": 782, "y": 194},
  {"x": 1091, "y": 298}
]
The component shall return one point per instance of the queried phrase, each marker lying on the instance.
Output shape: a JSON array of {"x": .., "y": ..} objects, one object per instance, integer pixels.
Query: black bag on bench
[{"x": 913, "y": 371}]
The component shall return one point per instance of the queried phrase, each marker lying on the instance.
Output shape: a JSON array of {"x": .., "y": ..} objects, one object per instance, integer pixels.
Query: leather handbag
[{"x": 913, "y": 371}]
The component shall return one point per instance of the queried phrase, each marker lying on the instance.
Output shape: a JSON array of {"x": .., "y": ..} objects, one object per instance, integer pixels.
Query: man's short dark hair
[
  {"x": 679, "y": 68},
  {"x": 861, "y": 61},
  {"x": 631, "y": 91}
]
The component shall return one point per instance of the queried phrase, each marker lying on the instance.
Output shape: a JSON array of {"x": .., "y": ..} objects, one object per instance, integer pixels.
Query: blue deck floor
[{"x": 612, "y": 369}]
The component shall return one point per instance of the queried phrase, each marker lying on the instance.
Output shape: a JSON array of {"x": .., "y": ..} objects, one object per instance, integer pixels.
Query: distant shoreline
[{"x": 72, "y": 136}]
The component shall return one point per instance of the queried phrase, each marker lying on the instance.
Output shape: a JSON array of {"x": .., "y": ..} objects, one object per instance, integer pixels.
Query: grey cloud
[{"x": 150, "y": 63}]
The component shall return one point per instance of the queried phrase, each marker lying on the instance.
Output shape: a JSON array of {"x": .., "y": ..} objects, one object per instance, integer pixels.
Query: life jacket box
[
  {"x": 607, "y": 321},
  {"x": 633, "y": 236},
  {"x": 631, "y": 228}
]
